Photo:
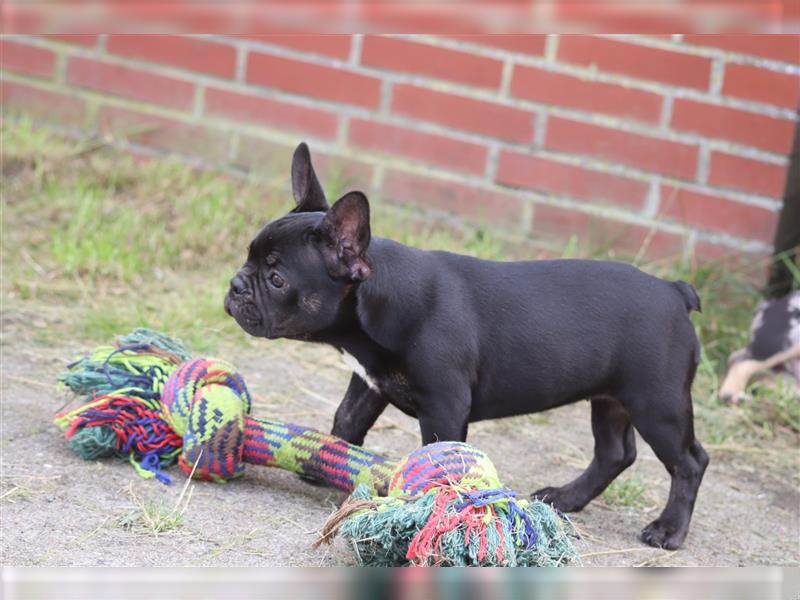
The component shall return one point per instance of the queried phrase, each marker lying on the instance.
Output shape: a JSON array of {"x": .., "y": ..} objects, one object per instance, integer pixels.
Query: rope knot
[{"x": 205, "y": 401}]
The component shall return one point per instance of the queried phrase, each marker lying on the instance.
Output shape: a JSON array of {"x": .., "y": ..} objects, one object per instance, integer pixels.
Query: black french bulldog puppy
[{"x": 453, "y": 339}]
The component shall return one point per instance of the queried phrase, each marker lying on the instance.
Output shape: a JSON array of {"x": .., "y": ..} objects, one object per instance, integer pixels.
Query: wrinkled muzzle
[{"x": 240, "y": 304}]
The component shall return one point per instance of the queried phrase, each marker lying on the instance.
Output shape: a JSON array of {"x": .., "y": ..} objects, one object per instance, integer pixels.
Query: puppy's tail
[{"x": 690, "y": 297}]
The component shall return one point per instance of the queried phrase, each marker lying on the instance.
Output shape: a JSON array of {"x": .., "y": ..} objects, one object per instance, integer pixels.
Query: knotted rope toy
[
  {"x": 446, "y": 506},
  {"x": 442, "y": 505},
  {"x": 151, "y": 403}
]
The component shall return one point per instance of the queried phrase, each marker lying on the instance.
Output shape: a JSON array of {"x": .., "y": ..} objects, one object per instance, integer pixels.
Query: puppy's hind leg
[
  {"x": 614, "y": 451},
  {"x": 665, "y": 422}
]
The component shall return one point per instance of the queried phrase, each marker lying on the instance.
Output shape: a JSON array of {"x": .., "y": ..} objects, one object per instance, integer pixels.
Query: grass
[
  {"x": 777, "y": 404},
  {"x": 96, "y": 242},
  {"x": 627, "y": 490},
  {"x": 154, "y": 517},
  {"x": 151, "y": 516},
  {"x": 97, "y": 229}
]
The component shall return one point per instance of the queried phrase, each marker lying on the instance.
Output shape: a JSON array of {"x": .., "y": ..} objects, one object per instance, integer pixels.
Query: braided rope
[
  {"x": 207, "y": 401},
  {"x": 314, "y": 454},
  {"x": 160, "y": 410},
  {"x": 443, "y": 504}
]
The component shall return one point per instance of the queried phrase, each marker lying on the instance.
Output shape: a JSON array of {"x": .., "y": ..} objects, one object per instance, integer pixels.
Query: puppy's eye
[{"x": 276, "y": 280}]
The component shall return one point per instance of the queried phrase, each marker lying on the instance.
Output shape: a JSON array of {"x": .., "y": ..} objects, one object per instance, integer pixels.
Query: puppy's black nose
[{"x": 237, "y": 286}]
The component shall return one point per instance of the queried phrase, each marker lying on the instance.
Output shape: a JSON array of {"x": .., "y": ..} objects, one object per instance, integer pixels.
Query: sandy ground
[{"x": 59, "y": 510}]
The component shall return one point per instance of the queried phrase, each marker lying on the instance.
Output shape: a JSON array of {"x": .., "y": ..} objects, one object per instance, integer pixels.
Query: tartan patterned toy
[{"x": 442, "y": 505}]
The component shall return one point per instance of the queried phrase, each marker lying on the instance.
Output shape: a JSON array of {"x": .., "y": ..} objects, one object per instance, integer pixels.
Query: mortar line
[
  {"x": 492, "y": 160},
  {"x": 267, "y": 133},
  {"x": 241, "y": 63},
  {"x": 666, "y": 112},
  {"x": 652, "y": 203},
  {"x": 551, "y": 47},
  {"x": 343, "y": 131},
  {"x": 356, "y": 44},
  {"x": 505, "y": 78},
  {"x": 473, "y": 92},
  {"x": 717, "y": 75},
  {"x": 703, "y": 163},
  {"x": 198, "y": 102},
  {"x": 615, "y": 213}
]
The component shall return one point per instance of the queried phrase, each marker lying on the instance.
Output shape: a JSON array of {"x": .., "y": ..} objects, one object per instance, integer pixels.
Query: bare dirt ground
[{"x": 60, "y": 510}]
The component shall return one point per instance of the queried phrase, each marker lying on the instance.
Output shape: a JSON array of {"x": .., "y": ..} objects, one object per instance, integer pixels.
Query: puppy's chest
[{"x": 391, "y": 383}]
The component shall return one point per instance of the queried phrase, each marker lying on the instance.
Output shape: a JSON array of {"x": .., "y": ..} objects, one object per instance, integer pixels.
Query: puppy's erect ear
[
  {"x": 307, "y": 191},
  {"x": 345, "y": 234}
]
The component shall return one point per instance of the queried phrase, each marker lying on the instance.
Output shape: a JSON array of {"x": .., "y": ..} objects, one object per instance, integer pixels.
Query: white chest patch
[{"x": 358, "y": 369}]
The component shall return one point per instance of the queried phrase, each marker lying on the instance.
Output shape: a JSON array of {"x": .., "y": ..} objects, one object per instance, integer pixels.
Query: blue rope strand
[
  {"x": 526, "y": 534},
  {"x": 151, "y": 462}
]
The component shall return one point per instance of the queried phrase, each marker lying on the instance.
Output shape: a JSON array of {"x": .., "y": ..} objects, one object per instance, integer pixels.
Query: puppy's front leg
[
  {"x": 443, "y": 413},
  {"x": 358, "y": 411}
]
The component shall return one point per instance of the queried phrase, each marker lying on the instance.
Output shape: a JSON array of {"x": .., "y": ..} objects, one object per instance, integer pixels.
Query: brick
[
  {"x": 643, "y": 62},
  {"x": 559, "y": 89},
  {"x": 199, "y": 17},
  {"x": 649, "y": 19},
  {"x": 270, "y": 113},
  {"x": 42, "y": 104},
  {"x": 714, "y": 213},
  {"x": 24, "y": 58},
  {"x": 458, "y": 112},
  {"x": 185, "y": 52},
  {"x": 419, "y": 146},
  {"x": 532, "y": 44},
  {"x": 313, "y": 80},
  {"x": 432, "y": 61},
  {"x": 271, "y": 160},
  {"x": 560, "y": 222},
  {"x": 750, "y": 265},
  {"x": 709, "y": 251},
  {"x": 473, "y": 203},
  {"x": 596, "y": 233},
  {"x": 549, "y": 176},
  {"x": 333, "y": 45},
  {"x": 732, "y": 124},
  {"x": 762, "y": 85},
  {"x": 163, "y": 133},
  {"x": 89, "y": 40},
  {"x": 340, "y": 175},
  {"x": 23, "y": 18},
  {"x": 129, "y": 82},
  {"x": 629, "y": 240},
  {"x": 267, "y": 160},
  {"x": 388, "y": 17},
  {"x": 747, "y": 174},
  {"x": 782, "y": 47},
  {"x": 644, "y": 152}
]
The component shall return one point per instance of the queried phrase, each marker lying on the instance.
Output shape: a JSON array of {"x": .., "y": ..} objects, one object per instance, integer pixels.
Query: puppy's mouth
[{"x": 246, "y": 315}]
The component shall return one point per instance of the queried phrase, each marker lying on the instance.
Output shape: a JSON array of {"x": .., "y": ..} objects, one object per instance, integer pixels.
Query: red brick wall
[{"x": 675, "y": 142}]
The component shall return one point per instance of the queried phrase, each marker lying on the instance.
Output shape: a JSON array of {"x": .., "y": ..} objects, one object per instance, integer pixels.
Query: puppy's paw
[
  {"x": 661, "y": 535},
  {"x": 560, "y": 498}
]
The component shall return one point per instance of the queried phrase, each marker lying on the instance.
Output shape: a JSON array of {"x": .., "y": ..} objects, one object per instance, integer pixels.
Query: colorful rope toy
[{"x": 442, "y": 505}]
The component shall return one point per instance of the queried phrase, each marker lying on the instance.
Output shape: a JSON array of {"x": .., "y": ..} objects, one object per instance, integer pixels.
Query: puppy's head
[{"x": 301, "y": 268}]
